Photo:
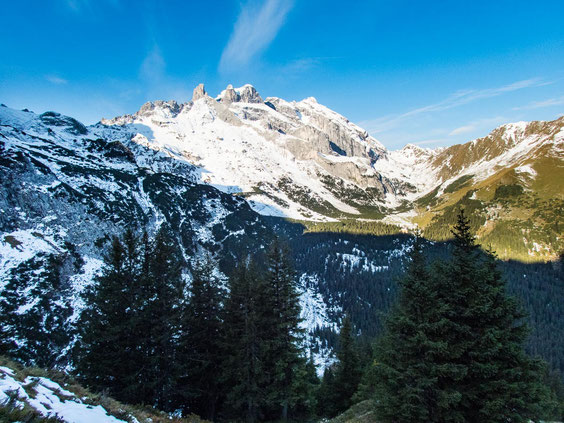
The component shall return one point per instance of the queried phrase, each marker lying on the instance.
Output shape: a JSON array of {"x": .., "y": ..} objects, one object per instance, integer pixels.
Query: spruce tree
[
  {"x": 326, "y": 400},
  {"x": 129, "y": 327},
  {"x": 305, "y": 386},
  {"x": 243, "y": 371},
  {"x": 453, "y": 350},
  {"x": 200, "y": 351},
  {"x": 280, "y": 317},
  {"x": 348, "y": 371},
  {"x": 157, "y": 319},
  {"x": 408, "y": 352},
  {"x": 108, "y": 356},
  {"x": 500, "y": 382}
]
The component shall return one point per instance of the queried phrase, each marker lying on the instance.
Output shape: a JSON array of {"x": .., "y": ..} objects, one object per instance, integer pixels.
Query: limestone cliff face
[{"x": 283, "y": 154}]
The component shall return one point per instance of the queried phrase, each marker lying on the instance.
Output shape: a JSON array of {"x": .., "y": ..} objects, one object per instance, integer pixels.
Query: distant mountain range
[{"x": 303, "y": 161}]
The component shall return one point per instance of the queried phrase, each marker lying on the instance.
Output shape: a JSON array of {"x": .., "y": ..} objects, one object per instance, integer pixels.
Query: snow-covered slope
[
  {"x": 303, "y": 160},
  {"x": 33, "y": 394},
  {"x": 49, "y": 399},
  {"x": 284, "y": 157},
  {"x": 66, "y": 188}
]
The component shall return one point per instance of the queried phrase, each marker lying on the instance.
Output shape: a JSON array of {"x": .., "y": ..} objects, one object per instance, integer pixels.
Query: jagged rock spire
[
  {"x": 199, "y": 92},
  {"x": 229, "y": 95}
]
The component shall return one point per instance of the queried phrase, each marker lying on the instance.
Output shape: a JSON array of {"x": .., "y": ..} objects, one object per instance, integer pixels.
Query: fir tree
[
  {"x": 280, "y": 317},
  {"x": 157, "y": 318},
  {"x": 108, "y": 354},
  {"x": 453, "y": 351},
  {"x": 129, "y": 326},
  {"x": 348, "y": 371},
  {"x": 410, "y": 351},
  {"x": 500, "y": 382},
  {"x": 243, "y": 372},
  {"x": 200, "y": 350},
  {"x": 305, "y": 387},
  {"x": 326, "y": 396}
]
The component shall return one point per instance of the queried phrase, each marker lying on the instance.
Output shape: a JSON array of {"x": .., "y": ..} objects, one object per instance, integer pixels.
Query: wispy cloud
[
  {"x": 79, "y": 6},
  {"x": 456, "y": 99},
  {"x": 153, "y": 66},
  {"x": 541, "y": 104},
  {"x": 462, "y": 130},
  {"x": 57, "y": 80},
  {"x": 156, "y": 83},
  {"x": 478, "y": 124},
  {"x": 255, "y": 28}
]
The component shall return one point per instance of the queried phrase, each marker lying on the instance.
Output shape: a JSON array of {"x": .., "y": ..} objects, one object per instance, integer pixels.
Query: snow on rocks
[{"x": 49, "y": 399}]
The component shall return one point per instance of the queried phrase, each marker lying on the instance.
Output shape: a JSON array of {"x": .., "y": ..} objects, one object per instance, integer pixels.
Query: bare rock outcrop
[{"x": 199, "y": 92}]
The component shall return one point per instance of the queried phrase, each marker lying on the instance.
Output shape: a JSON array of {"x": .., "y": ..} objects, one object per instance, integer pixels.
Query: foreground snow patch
[{"x": 50, "y": 399}]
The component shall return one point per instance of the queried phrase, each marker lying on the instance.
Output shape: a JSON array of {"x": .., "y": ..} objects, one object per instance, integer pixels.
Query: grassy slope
[
  {"x": 521, "y": 216},
  {"x": 363, "y": 412}
]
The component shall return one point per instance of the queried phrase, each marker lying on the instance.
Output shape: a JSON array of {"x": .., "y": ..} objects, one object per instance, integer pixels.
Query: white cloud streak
[
  {"x": 479, "y": 124},
  {"x": 53, "y": 79},
  {"x": 80, "y": 6},
  {"x": 456, "y": 99},
  {"x": 542, "y": 104},
  {"x": 462, "y": 130},
  {"x": 255, "y": 28},
  {"x": 156, "y": 83},
  {"x": 153, "y": 67}
]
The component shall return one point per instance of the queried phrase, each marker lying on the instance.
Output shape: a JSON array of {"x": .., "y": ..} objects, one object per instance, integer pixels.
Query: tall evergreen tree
[
  {"x": 409, "y": 354},
  {"x": 108, "y": 355},
  {"x": 496, "y": 380},
  {"x": 280, "y": 317},
  {"x": 348, "y": 371},
  {"x": 200, "y": 351},
  {"x": 326, "y": 395},
  {"x": 306, "y": 386},
  {"x": 157, "y": 319},
  {"x": 453, "y": 350},
  {"x": 243, "y": 371},
  {"x": 340, "y": 381}
]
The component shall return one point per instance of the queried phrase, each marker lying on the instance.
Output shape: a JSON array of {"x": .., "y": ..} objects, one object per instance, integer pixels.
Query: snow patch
[{"x": 50, "y": 399}]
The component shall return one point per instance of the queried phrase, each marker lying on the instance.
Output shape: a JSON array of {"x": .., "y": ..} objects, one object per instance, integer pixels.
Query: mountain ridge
[
  {"x": 67, "y": 188},
  {"x": 303, "y": 161}
]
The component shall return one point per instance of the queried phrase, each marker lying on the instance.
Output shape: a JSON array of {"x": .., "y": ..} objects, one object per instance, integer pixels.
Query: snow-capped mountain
[
  {"x": 304, "y": 161},
  {"x": 213, "y": 169},
  {"x": 287, "y": 159},
  {"x": 64, "y": 186}
]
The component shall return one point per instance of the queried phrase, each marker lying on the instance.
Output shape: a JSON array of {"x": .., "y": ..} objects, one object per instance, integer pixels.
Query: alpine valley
[{"x": 226, "y": 174}]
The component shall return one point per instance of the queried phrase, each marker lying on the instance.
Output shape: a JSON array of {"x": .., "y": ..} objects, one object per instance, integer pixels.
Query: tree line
[
  {"x": 232, "y": 349},
  {"x": 453, "y": 347},
  {"x": 222, "y": 352}
]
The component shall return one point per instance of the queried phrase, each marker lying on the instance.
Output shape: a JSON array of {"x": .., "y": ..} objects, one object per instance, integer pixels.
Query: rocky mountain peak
[
  {"x": 248, "y": 94},
  {"x": 229, "y": 95},
  {"x": 245, "y": 94},
  {"x": 199, "y": 92},
  {"x": 170, "y": 108}
]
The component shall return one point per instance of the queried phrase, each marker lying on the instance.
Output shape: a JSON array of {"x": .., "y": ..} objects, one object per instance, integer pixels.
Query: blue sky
[{"x": 434, "y": 73}]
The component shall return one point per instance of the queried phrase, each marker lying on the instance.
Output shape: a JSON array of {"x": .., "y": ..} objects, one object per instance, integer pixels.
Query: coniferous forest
[{"x": 452, "y": 347}]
